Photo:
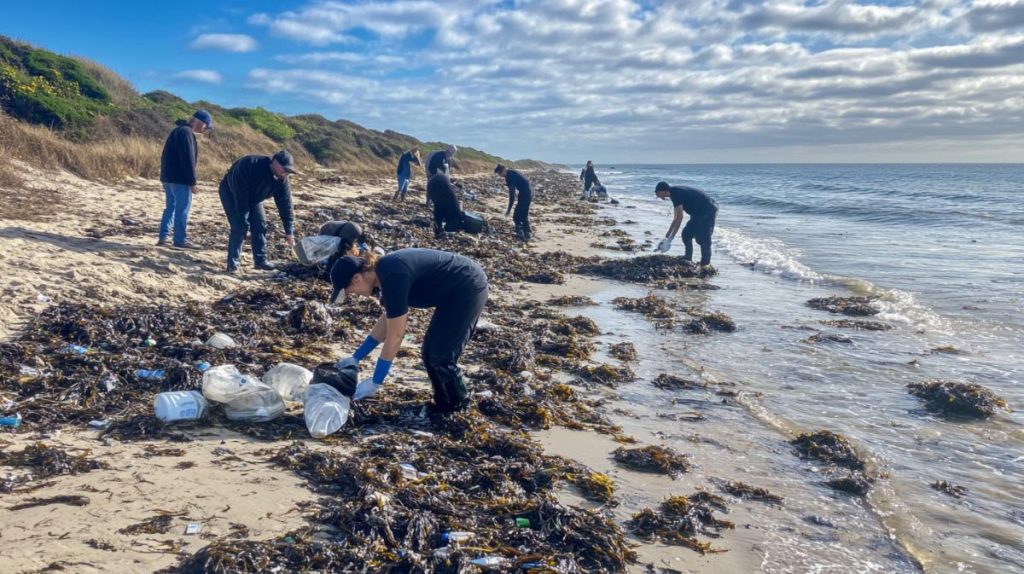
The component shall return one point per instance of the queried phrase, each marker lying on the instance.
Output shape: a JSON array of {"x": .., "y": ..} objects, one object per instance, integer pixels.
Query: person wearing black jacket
[
  {"x": 589, "y": 179},
  {"x": 404, "y": 171},
  {"x": 453, "y": 285},
  {"x": 447, "y": 212},
  {"x": 703, "y": 211},
  {"x": 517, "y": 182},
  {"x": 178, "y": 176},
  {"x": 250, "y": 181}
]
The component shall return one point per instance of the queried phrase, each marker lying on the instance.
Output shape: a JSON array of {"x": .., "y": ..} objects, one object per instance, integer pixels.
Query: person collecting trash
[
  {"x": 702, "y": 209},
  {"x": 517, "y": 182},
  {"x": 453, "y": 285}
]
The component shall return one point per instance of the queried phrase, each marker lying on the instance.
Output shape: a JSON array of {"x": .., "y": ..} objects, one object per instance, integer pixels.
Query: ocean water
[{"x": 942, "y": 247}]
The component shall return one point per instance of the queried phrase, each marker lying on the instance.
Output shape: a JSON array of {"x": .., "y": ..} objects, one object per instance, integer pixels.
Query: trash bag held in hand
[
  {"x": 343, "y": 380},
  {"x": 316, "y": 248}
]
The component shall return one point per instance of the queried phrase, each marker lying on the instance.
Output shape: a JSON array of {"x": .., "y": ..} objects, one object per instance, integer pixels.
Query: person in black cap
[
  {"x": 702, "y": 209},
  {"x": 447, "y": 212},
  {"x": 454, "y": 285},
  {"x": 250, "y": 181},
  {"x": 178, "y": 176},
  {"x": 516, "y": 181}
]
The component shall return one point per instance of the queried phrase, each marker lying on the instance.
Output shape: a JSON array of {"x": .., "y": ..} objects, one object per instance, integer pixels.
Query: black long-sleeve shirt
[
  {"x": 251, "y": 181},
  {"x": 447, "y": 211},
  {"x": 589, "y": 177},
  {"x": 438, "y": 162},
  {"x": 178, "y": 160},
  {"x": 693, "y": 200},
  {"x": 516, "y": 181}
]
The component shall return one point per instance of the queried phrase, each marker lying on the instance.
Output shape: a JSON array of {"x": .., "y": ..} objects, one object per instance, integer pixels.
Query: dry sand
[{"x": 47, "y": 255}]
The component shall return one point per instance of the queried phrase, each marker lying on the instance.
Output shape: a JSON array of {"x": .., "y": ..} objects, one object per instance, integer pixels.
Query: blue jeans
[
  {"x": 179, "y": 203},
  {"x": 252, "y": 219},
  {"x": 403, "y": 186}
]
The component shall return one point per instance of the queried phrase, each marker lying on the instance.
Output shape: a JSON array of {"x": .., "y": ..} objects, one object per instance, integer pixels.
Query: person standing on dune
[
  {"x": 702, "y": 209},
  {"x": 178, "y": 176}
]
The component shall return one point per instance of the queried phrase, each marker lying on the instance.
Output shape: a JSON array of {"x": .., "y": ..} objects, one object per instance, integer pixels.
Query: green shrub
[{"x": 272, "y": 125}]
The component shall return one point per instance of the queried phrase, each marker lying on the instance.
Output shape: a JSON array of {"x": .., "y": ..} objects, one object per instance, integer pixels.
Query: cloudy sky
[{"x": 616, "y": 81}]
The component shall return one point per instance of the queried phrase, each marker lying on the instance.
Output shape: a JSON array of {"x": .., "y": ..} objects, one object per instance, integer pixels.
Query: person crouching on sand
[
  {"x": 702, "y": 209},
  {"x": 453, "y": 285},
  {"x": 447, "y": 211}
]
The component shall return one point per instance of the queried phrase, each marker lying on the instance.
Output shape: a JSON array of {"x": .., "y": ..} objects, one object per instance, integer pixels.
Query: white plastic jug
[
  {"x": 220, "y": 341},
  {"x": 224, "y": 383},
  {"x": 180, "y": 406},
  {"x": 326, "y": 410},
  {"x": 315, "y": 248},
  {"x": 289, "y": 380},
  {"x": 259, "y": 404}
]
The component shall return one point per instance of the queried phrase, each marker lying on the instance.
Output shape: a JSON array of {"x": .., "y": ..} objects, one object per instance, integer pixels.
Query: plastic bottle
[
  {"x": 224, "y": 383},
  {"x": 202, "y": 366},
  {"x": 457, "y": 536},
  {"x": 261, "y": 403},
  {"x": 151, "y": 374},
  {"x": 326, "y": 410},
  {"x": 314, "y": 249},
  {"x": 289, "y": 380},
  {"x": 220, "y": 341},
  {"x": 488, "y": 561},
  {"x": 12, "y": 421},
  {"x": 75, "y": 349},
  {"x": 180, "y": 406}
]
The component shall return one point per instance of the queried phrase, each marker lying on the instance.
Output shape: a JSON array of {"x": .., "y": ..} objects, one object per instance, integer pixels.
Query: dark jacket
[
  {"x": 446, "y": 205},
  {"x": 516, "y": 181},
  {"x": 251, "y": 181},
  {"x": 438, "y": 162},
  {"x": 404, "y": 169},
  {"x": 178, "y": 161},
  {"x": 589, "y": 177}
]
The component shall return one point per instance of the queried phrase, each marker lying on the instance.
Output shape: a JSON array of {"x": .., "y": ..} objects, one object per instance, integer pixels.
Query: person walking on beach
[
  {"x": 516, "y": 181},
  {"x": 405, "y": 171},
  {"x": 702, "y": 209},
  {"x": 589, "y": 179},
  {"x": 453, "y": 285},
  {"x": 447, "y": 212},
  {"x": 250, "y": 181},
  {"x": 178, "y": 176}
]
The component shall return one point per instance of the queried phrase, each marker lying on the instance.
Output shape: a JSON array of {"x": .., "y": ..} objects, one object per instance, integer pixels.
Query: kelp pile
[
  {"x": 664, "y": 271},
  {"x": 625, "y": 351},
  {"x": 958, "y": 399},
  {"x": 653, "y": 458},
  {"x": 571, "y": 301},
  {"x": 606, "y": 374},
  {"x": 747, "y": 492},
  {"x": 671, "y": 382},
  {"x": 623, "y": 242},
  {"x": 844, "y": 469},
  {"x": 703, "y": 323},
  {"x": 680, "y": 520},
  {"x": 43, "y": 461},
  {"x": 954, "y": 490},
  {"x": 858, "y": 325},
  {"x": 854, "y": 306},
  {"x": 654, "y": 309}
]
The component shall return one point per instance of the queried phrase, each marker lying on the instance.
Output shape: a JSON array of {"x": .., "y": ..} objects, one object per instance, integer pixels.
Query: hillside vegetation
[{"x": 69, "y": 113}]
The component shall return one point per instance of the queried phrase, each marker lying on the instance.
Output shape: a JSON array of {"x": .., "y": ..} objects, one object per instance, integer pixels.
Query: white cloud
[
  {"x": 603, "y": 78},
  {"x": 225, "y": 42},
  {"x": 202, "y": 76}
]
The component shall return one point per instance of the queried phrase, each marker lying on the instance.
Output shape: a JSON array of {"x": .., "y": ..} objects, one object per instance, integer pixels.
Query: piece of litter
[
  {"x": 422, "y": 433},
  {"x": 98, "y": 424},
  {"x": 485, "y": 394},
  {"x": 28, "y": 371},
  {"x": 193, "y": 528}
]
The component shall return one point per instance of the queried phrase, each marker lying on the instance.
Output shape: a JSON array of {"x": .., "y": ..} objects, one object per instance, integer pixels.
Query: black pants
[
  {"x": 447, "y": 219},
  {"x": 242, "y": 222},
  {"x": 450, "y": 329},
  {"x": 521, "y": 217},
  {"x": 700, "y": 227}
]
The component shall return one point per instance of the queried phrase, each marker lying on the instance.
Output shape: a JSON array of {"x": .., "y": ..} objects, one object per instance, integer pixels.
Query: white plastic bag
[{"x": 315, "y": 248}]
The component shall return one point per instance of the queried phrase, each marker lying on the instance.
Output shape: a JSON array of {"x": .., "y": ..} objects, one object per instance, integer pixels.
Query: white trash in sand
[
  {"x": 220, "y": 341},
  {"x": 326, "y": 410},
  {"x": 259, "y": 404},
  {"x": 289, "y": 380},
  {"x": 179, "y": 406},
  {"x": 315, "y": 248},
  {"x": 224, "y": 383}
]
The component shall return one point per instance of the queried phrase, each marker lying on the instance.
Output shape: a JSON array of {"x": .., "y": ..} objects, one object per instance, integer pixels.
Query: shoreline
[{"x": 638, "y": 490}]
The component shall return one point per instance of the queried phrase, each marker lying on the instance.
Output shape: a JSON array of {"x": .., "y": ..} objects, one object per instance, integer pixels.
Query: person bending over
[
  {"x": 702, "y": 209},
  {"x": 447, "y": 212},
  {"x": 453, "y": 285},
  {"x": 517, "y": 182}
]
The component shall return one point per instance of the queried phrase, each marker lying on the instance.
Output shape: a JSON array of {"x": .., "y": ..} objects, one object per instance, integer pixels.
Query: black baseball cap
[
  {"x": 286, "y": 161},
  {"x": 345, "y": 268}
]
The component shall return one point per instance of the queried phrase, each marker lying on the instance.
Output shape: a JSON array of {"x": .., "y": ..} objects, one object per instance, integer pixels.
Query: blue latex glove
[
  {"x": 369, "y": 344},
  {"x": 365, "y": 389}
]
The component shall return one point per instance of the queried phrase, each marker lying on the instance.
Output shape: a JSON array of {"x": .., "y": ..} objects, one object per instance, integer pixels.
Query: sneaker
[
  {"x": 231, "y": 270},
  {"x": 186, "y": 245},
  {"x": 265, "y": 266},
  {"x": 161, "y": 242}
]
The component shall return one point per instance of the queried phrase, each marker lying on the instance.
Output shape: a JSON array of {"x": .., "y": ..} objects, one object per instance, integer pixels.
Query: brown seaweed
[
  {"x": 674, "y": 382},
  {"x": 958, "y": 399},
  {"x": 680, "y": 520},
  {"x": 625, "y": 351},
  {"x": 653, "y": 458},
  {"x": 954, "y": 490},
  {"x": 854, "y": 306}
]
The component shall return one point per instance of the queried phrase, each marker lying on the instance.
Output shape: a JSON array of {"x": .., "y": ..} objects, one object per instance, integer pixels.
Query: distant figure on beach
[
  {"x": 454, "y": 285},
  {"x": 250, "y": 181},
  {"x": 178, "y": 176},
  {"x": 589, "y": 179},
  {"x": 702, "y": 209},
  {"x": 447, "y": 211},
  {"x": 405, "y": 171},
  {"x": 517, "y": 182}
]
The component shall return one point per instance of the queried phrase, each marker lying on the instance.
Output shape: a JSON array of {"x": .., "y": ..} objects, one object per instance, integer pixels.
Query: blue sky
[{"x": 616, "y": 81}]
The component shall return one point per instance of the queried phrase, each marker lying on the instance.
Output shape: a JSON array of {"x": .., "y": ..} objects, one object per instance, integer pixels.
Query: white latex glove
[
  {"x": 348, "y": 361},
  {"x": 665, "y": 245},
  {"x": 365, "y": 389}
]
